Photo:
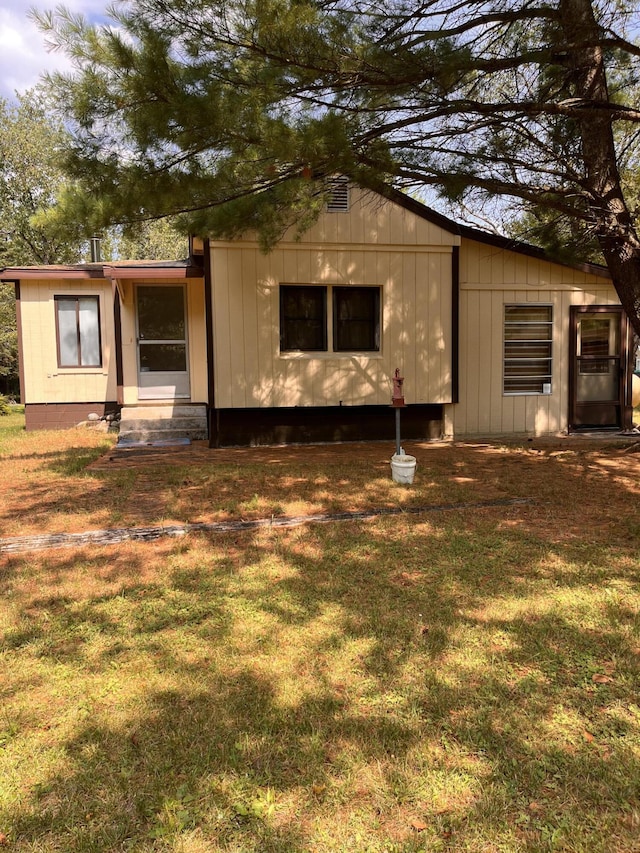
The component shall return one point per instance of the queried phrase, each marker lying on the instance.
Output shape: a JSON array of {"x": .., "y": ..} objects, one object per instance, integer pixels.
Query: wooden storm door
[{"x": 600, "y": 375}]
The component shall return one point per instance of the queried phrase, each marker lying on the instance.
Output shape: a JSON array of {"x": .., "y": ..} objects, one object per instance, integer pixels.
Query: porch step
[{"x": 163, "y": 423}]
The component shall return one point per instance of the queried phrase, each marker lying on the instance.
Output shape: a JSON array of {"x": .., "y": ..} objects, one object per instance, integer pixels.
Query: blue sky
[{"x": 23, "y": 53}]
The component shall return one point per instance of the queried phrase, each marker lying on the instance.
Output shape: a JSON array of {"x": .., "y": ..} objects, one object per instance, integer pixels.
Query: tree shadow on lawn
[
  {"x": 69, "y": 460},
  {"x": 291, "y": 691},
  {"x": 561, "y": 481}
]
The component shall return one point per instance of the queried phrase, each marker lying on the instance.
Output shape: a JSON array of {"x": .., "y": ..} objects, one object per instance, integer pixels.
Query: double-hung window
[
  {"x": 317, "y": 318},
  {"x": 528, "y": 334},
  {"x": 78, "y": 331}
]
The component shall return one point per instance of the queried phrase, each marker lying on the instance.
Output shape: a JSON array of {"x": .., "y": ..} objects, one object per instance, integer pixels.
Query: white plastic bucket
[{"x": 403, "y": 468}]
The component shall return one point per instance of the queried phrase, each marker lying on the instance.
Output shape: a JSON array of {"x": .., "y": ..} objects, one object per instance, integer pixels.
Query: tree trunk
[{"x": 613, "y": 222}]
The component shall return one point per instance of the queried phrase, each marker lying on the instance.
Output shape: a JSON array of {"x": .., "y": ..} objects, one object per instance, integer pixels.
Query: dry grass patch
[
  {"x": 338, "y": 688},
  {"x": 449, "y": 681}
]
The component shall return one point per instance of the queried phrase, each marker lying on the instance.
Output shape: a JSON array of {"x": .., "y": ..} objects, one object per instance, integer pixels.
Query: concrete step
[
  {"x": 137, "y": 424},
  {"x": 160, "y": 423},
  {"x": 176, "y": 410},
  {"x": 152, "y": 435}
]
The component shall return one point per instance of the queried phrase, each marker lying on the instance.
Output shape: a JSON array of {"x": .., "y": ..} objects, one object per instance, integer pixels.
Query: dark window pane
[
  {"x": 595, "y": 336},
  {"x": 303, "y": 318},
  {"x": 526, "y": 313},
  {"x": 356, "y": 319},
  {"x": 527, "y": 332},
  {"x": 161, "y": 313},
  {"x": 526, "y": 349},
  {"x": 595, "y": 366},
  {"x": 156, "y": 358}
]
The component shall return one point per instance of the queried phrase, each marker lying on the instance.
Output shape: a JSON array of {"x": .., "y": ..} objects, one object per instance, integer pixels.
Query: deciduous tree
[{"x": 31, "y": 176}]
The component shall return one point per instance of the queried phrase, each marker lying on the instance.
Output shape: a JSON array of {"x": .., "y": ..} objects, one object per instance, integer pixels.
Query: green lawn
[
  {"x": 11, "y": 425},
  {"x": 448, "y": 681}
]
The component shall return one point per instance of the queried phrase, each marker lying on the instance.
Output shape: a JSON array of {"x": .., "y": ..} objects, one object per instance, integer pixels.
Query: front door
[
  {"x": 600, "y": 374},
  {"x": 163, "y": 362}
]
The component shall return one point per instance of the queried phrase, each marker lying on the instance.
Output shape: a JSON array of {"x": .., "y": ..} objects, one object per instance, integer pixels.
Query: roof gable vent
[{"x": 339, "y": 199}]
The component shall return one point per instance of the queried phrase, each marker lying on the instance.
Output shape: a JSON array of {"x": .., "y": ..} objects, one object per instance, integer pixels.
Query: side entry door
[{"x": 600, "y": 369}]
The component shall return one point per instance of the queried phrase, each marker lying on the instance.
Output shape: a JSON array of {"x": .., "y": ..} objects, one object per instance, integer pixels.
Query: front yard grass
[
  {"x": 11, "y": 424},
  {"x": 459, "y": 680}
]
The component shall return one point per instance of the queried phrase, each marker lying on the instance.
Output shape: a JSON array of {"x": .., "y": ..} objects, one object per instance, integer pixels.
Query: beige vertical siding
[
  {"x": 490, "y": 278},
  {"x": 45, "y": 382},
  {"x": 197, "y": 331},
  {"x": 376, "y": 243},
  {"x": 374, "y": 221},
  {"x": 129, "y": 346}
]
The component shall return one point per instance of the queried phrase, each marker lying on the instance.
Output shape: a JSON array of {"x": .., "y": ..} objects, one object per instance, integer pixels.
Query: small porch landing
[{"x": 163, "y": 422}]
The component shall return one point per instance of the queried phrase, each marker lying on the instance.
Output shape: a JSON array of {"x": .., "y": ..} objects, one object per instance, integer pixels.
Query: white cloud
[{"x": 24, "y": 56}]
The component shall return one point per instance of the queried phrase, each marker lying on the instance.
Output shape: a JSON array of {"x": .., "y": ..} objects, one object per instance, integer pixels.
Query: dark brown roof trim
[
  {"x": 58, "y": 271},
  {"x": 145, "y": 269}
]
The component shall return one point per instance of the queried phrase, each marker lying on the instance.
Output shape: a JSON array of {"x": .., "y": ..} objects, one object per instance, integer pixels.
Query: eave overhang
[{"x": 163, "y": 270}]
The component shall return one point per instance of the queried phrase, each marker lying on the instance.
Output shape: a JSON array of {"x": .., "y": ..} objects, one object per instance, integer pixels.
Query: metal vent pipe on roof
[{"x": 95, "y": 250}]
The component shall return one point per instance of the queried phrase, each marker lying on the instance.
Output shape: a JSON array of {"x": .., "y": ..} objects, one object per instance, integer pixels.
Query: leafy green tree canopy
[
  {"x": 31, "y": 176},
  {"x": 234, "y": 112}
]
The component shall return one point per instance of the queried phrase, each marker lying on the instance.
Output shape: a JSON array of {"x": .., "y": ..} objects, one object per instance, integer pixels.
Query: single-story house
[{"x": 491, "y": 336}]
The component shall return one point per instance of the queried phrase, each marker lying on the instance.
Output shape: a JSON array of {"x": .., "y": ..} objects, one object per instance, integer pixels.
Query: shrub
[{"x": 5, "y": 408}]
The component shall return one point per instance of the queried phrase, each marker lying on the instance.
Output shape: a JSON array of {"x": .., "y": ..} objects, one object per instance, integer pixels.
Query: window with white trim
[
  {"x": 528, "y": 340},
  {"x": 320, "y": 318},
  {"x": 78, "y": 331}
]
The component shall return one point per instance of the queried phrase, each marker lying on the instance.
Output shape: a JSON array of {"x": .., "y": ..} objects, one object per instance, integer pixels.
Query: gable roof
[{"x": 479, "y": 236}]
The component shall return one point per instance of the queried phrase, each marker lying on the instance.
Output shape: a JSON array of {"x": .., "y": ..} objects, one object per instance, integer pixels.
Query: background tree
[
  {"x": 234, "y": 111},
  {"x": 31, "y": 176},
  {"x": 156, "y": 239}
]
